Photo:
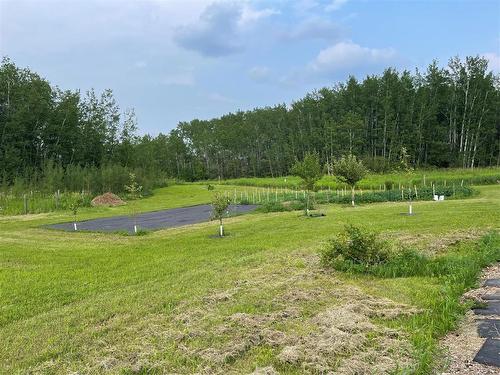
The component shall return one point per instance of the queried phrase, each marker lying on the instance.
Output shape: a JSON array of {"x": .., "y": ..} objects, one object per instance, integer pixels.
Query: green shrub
[
  {"x": 355, "y": 247},
  {"x": 389, "y": 184},
  {"x": 458, "y": 263},
  {"x": 273, "y": 207},
  {"x": 297, "y": 205},
  {"x": 394, "y": 195}
]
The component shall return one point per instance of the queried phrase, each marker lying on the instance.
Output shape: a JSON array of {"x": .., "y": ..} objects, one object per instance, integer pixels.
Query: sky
[{"x": 176, "y": 60}]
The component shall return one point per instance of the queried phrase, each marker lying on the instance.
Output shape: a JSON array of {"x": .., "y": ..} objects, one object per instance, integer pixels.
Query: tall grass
[
  {"x": 375, "y": 181},
  {"x": 75, "y": 178},
  {"x": 456, "y": 272},
  {"x": 38, "y": 202}
]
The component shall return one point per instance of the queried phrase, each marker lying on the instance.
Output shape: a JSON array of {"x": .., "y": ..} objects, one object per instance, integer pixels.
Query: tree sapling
[
  {"x": 220, "y": 203},
  {"x": 74, "y": 207},
  {"x": 350, "y": 170},
  {"x": 134, "y": 192},
  {"x": 309, "y": 170}
]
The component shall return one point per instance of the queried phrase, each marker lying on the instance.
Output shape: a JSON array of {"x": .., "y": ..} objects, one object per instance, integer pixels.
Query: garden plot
[{"x": 175, "y": 217}]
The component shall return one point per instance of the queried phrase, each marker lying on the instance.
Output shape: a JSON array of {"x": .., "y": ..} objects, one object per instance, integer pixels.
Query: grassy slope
[{"x": 100, "y": 302}]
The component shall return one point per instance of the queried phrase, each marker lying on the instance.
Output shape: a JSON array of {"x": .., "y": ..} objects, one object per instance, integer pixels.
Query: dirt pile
[{"x": 107, "y": 199}]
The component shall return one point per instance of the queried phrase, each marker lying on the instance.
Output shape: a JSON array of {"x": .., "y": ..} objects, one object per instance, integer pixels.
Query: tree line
[{"x": 443, "y": 117}]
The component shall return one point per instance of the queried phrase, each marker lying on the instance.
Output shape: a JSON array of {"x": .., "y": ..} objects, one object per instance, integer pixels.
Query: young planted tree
[
  {"x": 134, "y": 192},
  {"x": 309, "y": 170},
  {"x": 350, "y": 170},
  {"x": 220, "y": 203},
  {"x": 74, "y": 207}
]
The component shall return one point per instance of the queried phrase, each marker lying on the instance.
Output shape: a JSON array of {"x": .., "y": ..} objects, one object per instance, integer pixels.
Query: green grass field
[
  {"x": 182, "y": 301},
  {"x": 478, "y": 176}
]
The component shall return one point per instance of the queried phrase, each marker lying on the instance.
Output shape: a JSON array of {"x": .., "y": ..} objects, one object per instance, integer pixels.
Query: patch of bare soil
[
  {"x": 463, "y": 344},
  {"x": 107, "y": 199}
]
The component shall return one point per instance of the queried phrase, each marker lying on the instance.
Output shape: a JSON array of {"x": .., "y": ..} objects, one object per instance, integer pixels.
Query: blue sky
[{"x": 175, "y": 60}]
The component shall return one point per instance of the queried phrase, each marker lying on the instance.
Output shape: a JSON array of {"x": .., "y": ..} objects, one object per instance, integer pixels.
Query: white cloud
[
  {"x": 493, "y": 61},
  {"x": 302, "y": 6},
  {"x": 250, "y": 15},
  {"x": 315, "y": 28},
  {"x": 335, "y": 5},
  {"x": 348, "y": 56}
]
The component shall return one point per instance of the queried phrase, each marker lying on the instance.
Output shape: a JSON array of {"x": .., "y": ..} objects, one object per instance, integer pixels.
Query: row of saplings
[{"x": 347, "y": 169}]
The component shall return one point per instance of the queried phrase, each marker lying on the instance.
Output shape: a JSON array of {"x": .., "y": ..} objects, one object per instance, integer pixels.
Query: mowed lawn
[{"x": 182, "y": 301}]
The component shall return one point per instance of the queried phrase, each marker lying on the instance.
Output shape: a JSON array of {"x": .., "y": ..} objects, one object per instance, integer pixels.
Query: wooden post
[{"x": 25, "y": 204}]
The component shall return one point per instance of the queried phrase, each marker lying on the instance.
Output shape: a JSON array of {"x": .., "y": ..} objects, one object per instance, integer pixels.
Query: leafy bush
[
  {"x": 355, "y": 247},
  {"x": 462, "y": 263},
  {"x": 273, "y": 207},
  {"x": 389, "y": 184}
]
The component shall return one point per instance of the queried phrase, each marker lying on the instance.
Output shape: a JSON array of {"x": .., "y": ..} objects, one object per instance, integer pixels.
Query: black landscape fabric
[{"x": 174, "y": 217}]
